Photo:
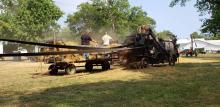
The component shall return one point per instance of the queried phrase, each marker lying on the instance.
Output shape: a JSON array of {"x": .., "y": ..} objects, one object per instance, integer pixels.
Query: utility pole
[{"x": 191, "y": 36}]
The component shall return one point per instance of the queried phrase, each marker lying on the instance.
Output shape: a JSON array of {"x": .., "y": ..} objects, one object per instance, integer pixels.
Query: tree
[
  {"x": 212, "y": 7},
  {"x": 166, "y": 35},
  {"x": 196, "y": 35},
  {"x": 211, "y": 36},
  {"x": 28, "y": 19},
  {"x": 108, "y": 15}
]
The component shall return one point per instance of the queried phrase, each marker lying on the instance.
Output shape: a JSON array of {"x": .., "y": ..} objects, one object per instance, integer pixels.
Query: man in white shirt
[{"x": 106, "y": 39}]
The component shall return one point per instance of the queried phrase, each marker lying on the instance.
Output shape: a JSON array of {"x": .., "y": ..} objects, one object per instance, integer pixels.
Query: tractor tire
[{"x": 70, "y": 70}]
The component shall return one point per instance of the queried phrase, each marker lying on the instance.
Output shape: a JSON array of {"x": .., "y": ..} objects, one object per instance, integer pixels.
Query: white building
[{"x": 207, "y": 45}]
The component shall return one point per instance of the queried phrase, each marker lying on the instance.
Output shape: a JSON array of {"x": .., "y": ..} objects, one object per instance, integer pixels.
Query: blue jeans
[{"x": 86, "y": 56}]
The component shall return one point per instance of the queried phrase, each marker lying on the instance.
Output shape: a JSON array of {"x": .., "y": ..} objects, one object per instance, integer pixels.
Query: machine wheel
[
  {"x": 89, "y": 66},
  {"x": 171, "y": 61},
  {"x": 70, "y": 70},
  {"x": 105, "y": 65},
  {"x": 145, "y": 63}
]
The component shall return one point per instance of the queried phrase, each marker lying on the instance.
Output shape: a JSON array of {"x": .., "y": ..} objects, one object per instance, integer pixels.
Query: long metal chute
[{"x": 68, "y": 52}]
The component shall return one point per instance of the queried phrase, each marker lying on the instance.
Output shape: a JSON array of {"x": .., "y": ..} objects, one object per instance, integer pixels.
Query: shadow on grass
[
  {"x": 63, "y": 73},
  {"x": 195, "y": 85},
  {"x": 147, "y": 67}
]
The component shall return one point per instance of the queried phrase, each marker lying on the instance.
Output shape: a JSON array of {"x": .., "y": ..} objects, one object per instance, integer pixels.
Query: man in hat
[{"x": 85, "y": 40}]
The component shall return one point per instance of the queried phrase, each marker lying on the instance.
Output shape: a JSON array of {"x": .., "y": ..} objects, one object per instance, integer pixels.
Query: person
[
  {"x": 85, "y": 40},
  {"x": 106, "y": 39},
  {"x": 141, "y": 35}
]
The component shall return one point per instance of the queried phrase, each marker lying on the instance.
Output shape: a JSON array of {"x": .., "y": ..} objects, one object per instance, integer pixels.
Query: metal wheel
[
  {"x": 144, "y": 63},
  {"x": 89, "y": 66},
  {"x": 105, "y": 65},
  {"x": 70, "y": 70}
]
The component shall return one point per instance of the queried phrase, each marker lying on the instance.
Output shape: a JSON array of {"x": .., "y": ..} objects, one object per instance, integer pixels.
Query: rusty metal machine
[{"x": 147, "y": 49}]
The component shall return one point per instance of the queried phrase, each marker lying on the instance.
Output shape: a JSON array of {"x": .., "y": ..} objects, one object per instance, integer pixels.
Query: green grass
[{"x": 186, "y": 84}]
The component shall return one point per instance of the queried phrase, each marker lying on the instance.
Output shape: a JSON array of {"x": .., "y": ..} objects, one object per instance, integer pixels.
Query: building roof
[
  {"x": 181, "y": 41},
  {"x": 199, "y": 43},
  {"x": 187, "y": 40},
  {"x": 215, "y": 42}
]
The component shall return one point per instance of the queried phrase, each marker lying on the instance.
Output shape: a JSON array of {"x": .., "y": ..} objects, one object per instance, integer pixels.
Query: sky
[{"x": 182, "y": 21}]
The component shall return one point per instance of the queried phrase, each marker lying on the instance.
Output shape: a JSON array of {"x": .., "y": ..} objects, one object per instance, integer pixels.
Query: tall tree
[
  {"x": 196, "y": 35},
  {"x": 115, "y": 15},
  {"x": 212, "y": 7},
  {"x": 28, "y": 19},
  {"x": 166, "y": 35}
]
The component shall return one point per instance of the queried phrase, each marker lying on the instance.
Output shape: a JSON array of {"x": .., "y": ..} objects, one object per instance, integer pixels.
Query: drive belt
[
  {"x": 69, "y": 52},
  {"x": 80, "y": 47}
]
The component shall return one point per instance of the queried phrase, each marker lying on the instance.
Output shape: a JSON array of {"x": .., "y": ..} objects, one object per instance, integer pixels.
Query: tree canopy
[
  {"x": 27, "y": 19},
  {"x": 108, "y": 15},
  {"x": 166, "y": 35},
  {"x": 197, "y": 35},
  {"x": 212, "y": 7}
]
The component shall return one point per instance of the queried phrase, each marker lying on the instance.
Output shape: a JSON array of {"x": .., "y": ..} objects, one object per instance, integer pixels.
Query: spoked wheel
[
  {"x": 105, "y": 65},
  {"x": 70, "y": 70},
  {"x": 144, "y": 63},
  {"x": 171, "y": 61},
  {"x": 89, "y": 66}
]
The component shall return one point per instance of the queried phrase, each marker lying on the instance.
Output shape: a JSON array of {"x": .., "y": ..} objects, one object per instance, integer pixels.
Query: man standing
[
  {"x": 85, "y": 40},
  {"x": 106, "y": 39}
]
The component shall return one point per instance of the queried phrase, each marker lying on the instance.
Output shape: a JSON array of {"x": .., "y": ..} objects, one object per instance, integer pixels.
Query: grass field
[{"x": 194, "y": 82}]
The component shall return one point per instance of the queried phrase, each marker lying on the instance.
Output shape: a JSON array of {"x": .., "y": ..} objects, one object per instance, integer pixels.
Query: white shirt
[{"x": 106, "y": 39}]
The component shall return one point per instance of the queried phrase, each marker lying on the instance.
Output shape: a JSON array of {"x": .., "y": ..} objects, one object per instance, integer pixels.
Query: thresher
[{"x": 147, "y": 49}]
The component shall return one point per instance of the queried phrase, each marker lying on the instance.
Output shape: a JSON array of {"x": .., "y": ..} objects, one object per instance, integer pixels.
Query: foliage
[
  {"x": 197, "y": 35},
  {"x": 206, "y": 36},
  {"x": 28, "y": 19},
  {"x": 212, "y": 36},
  {"x": 108, "y": 15},
  {"x": 166, "y": 34},
  {"x": 211, "y": 25}
]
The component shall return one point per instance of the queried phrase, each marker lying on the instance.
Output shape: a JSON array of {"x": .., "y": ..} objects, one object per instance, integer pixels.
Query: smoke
[{"x": 117, "y": 37}]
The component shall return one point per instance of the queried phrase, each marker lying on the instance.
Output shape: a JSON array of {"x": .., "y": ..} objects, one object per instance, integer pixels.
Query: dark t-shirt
[{"x": 85, "y": 39}]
